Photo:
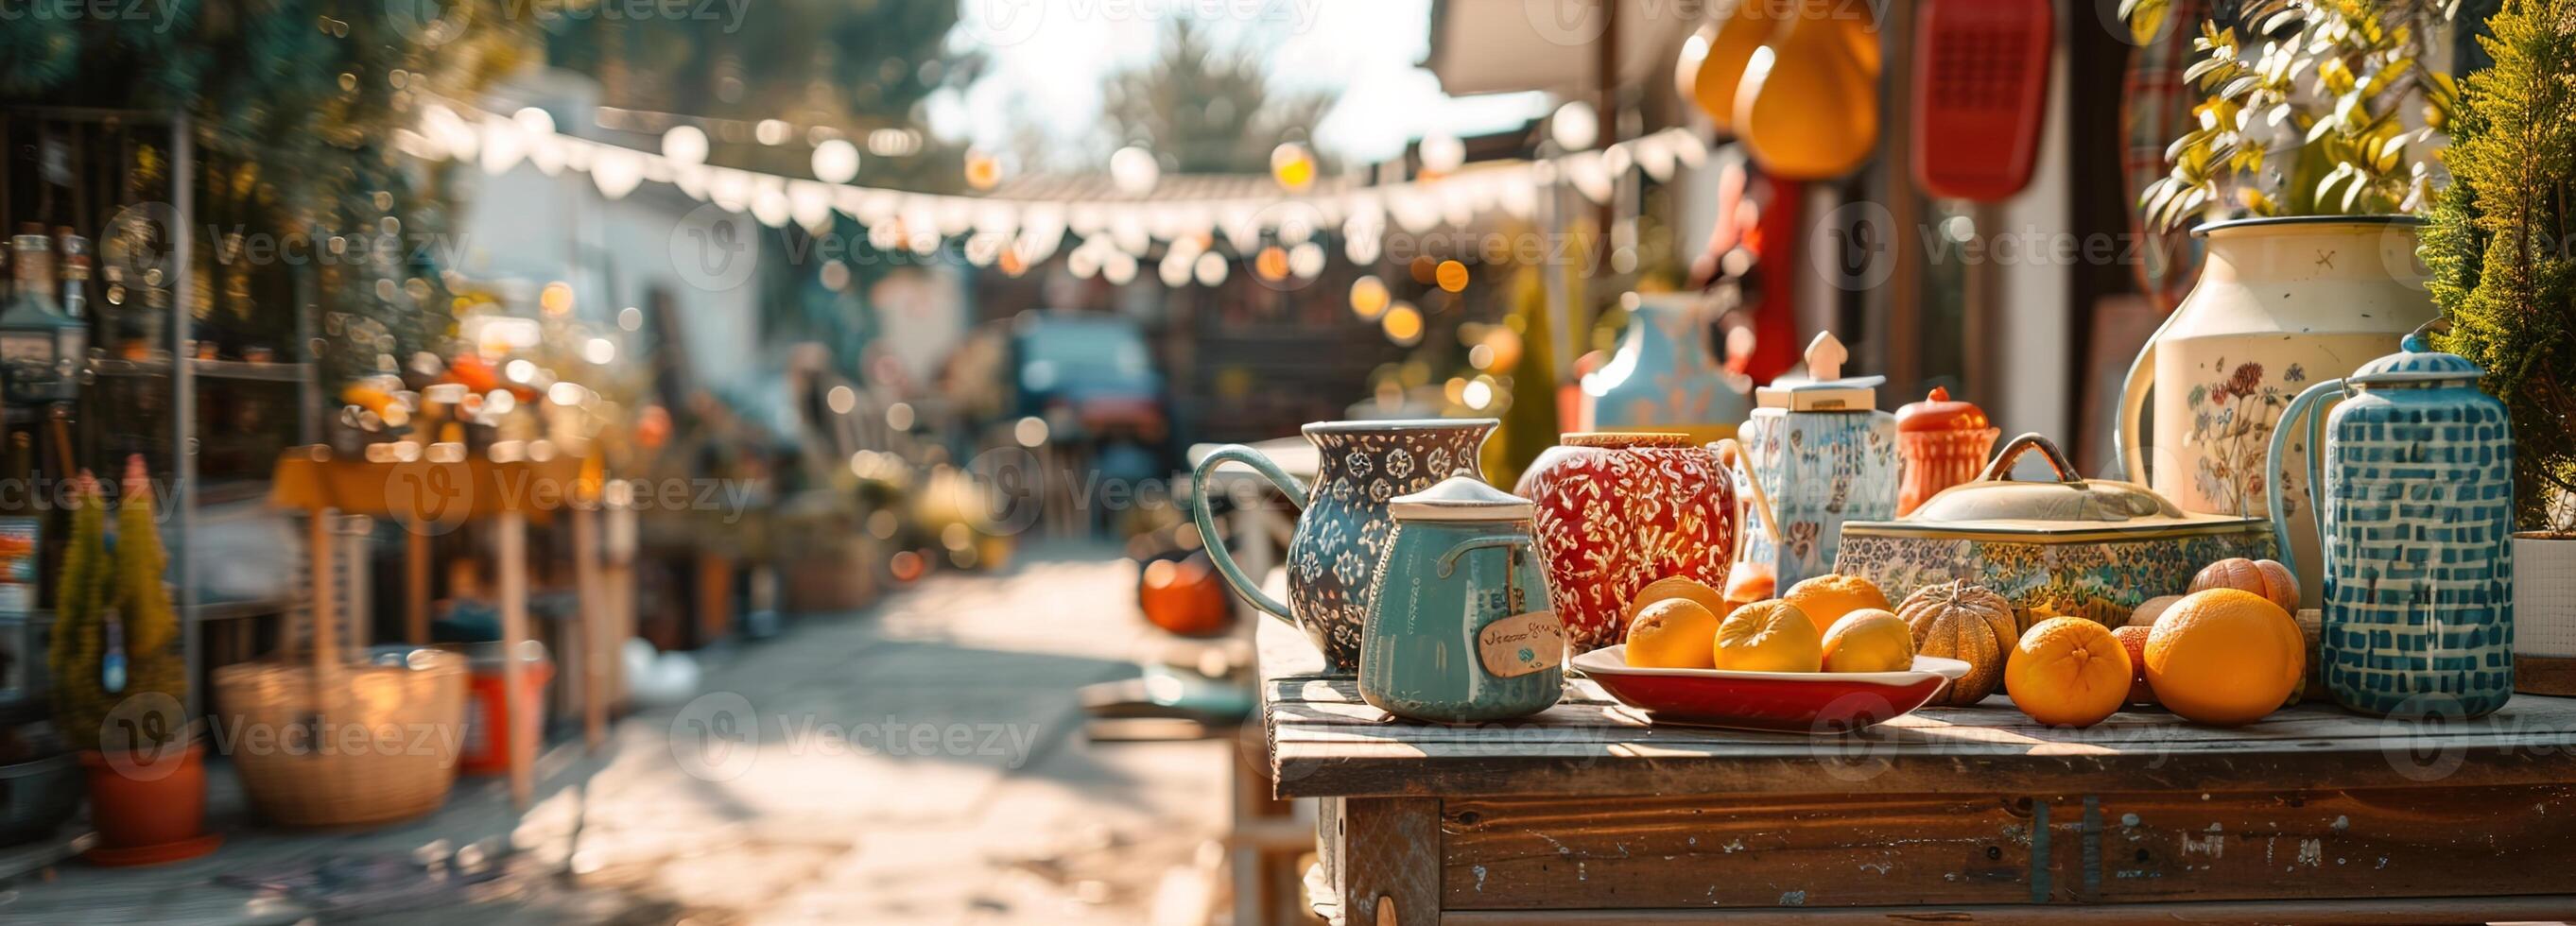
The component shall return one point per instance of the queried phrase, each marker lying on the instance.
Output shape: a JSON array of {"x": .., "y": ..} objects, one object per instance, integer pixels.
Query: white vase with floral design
[{"x": 2281, "y": 303}]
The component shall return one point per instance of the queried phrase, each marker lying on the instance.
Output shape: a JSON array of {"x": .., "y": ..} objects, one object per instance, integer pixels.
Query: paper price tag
[{"x": 1521, "y": 644}]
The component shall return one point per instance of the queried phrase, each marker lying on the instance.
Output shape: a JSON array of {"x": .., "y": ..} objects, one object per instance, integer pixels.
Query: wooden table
[
  {"x": 437, "y": 489},
  {"x": 1586, "y": 813}
]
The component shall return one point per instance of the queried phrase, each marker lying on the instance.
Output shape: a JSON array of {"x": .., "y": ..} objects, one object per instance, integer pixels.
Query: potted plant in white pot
[{"x": 2499, "y": 250}]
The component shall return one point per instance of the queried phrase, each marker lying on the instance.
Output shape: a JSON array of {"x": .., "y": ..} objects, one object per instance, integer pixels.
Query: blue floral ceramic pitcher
[
  {"x": 1342, "y": 531},
  {"x": 2416, "y": 524},
  {"x": 1827, "y": 455}
]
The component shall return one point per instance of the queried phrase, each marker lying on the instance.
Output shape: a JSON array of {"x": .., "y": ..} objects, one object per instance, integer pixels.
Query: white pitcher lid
[
  {"x": 1460, "y": 498},
  {"x": 1829, "y": 390}
]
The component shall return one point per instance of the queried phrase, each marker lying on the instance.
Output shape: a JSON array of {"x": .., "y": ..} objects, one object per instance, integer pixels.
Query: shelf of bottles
[{"x": 112, "y": 318}]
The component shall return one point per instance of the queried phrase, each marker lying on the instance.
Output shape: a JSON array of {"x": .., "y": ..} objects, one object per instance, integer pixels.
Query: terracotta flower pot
[
  {"x": 149, "y": 809},
  {"x": 1617, "y": 511}
]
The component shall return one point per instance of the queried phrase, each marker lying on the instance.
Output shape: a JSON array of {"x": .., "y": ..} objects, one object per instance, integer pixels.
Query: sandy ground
[{"x": 919, "y": 763}]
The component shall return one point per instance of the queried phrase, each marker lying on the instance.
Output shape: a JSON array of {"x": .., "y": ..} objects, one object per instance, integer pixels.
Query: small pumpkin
[
  {"x": 1183, "y": 597},
  {"x": 1969, "y": 623},
  {"x": 2264, "y": 577}
]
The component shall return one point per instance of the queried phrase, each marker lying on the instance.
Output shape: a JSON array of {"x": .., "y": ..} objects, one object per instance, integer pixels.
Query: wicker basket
[
  {"x": 336, "y": 744},
  {"x": 369, "y": 744}
]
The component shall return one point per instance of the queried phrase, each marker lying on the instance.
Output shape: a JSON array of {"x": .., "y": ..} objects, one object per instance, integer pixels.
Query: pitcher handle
[
  {"x": 2133, "y": 404},
  {"x": 1449, "y": 560},
  {"x": 1206, "y": 520},
  {"x": 1731, "y": 454},
  {"x": 2309, "y": 402}
]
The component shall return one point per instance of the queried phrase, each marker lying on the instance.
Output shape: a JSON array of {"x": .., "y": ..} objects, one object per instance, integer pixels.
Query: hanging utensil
[{"x": 1980, "y": 88}]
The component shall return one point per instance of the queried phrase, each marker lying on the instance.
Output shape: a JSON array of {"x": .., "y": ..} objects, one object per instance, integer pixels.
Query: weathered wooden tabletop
[{"x": 1588, "y": 811}]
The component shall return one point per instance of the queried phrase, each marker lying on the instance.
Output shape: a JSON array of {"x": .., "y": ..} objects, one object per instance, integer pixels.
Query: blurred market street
[{"x": 818, "y": 825}]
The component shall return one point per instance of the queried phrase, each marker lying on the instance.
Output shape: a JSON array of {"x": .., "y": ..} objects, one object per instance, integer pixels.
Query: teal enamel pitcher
[
  {"x": 2414, "y": 510},
  {"x": 1460, "y": 631},
  {"x": 1360, "y": 467}
]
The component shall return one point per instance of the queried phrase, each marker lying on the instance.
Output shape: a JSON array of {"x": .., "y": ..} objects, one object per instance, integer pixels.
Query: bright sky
[{"x": 1050, "y": 58}]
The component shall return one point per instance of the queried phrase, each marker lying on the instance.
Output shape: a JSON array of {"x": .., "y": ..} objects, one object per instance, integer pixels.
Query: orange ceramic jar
[
  {"x": 1614, "y": 512},
  {"x": 1940, "y": 443}
]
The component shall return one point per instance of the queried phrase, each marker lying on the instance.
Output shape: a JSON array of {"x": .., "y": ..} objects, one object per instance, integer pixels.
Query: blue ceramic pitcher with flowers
[
  {"x": 1343, "y": 528},
  {"x": 2414, "y": 507}
]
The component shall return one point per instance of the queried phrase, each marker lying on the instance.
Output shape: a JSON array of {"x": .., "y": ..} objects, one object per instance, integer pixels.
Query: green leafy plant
[
  {"x": 2306, "y": 113},
  {"x": 2498, "y": 245},
  {"x": 98, "y": 586}
]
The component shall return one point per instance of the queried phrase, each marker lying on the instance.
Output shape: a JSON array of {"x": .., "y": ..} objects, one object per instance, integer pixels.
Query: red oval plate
[{"x": 1770, "y": 702}]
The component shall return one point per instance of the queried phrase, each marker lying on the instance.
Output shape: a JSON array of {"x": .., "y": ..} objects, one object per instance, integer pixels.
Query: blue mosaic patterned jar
[{"x": 2416, "y": 521}]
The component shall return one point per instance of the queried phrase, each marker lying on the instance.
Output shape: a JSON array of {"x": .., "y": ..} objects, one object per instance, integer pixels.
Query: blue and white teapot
[{"x": 2415, "y": 518}]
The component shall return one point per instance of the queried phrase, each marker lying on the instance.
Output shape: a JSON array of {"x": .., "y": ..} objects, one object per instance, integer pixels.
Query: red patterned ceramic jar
[
  {"x": 1941, "y": 443},
  {"x": 1617, "y": 511}
]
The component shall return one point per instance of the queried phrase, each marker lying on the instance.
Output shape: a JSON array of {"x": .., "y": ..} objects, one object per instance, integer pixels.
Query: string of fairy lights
[{"x": 1110, "y": 231}]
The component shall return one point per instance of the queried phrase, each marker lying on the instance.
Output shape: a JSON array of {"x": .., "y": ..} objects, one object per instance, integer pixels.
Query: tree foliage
[
  {"x": 1203, "y": 109},
  {"x": 2498, "y": 244},
  {"x": 847, "y": 65},
  {"x": 2312, "y": 121},
  {"x": 292, "y": 105}
]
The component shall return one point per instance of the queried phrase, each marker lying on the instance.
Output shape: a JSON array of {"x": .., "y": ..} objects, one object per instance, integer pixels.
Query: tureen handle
[
  {"x": 2000, "y": 468},
  {"x": 2310, "y": 404}
]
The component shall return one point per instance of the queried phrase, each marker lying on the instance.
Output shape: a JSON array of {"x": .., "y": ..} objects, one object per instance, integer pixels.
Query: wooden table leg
[
  {"x": 325, "y": 610},
  {"x": 415, "y": 584},
  {"x": 620, "y": 579},
  {"x": 512, "y": 553},
  {"x": 588, "y": 611},
  {"x": 361, "y": 593},
  {"x": 1389, "y": 871},
  {"x": 715, "y": 598}
]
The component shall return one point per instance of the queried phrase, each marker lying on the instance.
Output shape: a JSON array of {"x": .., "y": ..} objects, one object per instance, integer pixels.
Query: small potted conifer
[
  {"x": 2499, "y": 246},
  {"x": 120, "y": 684}
]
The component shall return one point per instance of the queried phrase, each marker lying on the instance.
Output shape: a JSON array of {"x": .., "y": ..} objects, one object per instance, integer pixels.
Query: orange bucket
[{"x": 488, "y": 735}]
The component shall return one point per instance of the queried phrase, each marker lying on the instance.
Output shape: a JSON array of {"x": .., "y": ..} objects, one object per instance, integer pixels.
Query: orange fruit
[
  {"x": 2133, "y": 640},
  {"x": 1769, "y": 636},
  {"x": 1683, "y": 587},
  {"x": 1750, "y": 582},
  {"x": 2067, "y": 672},
  {"x": 2224, "y": 657},
  {"x": 1869, "y": 640},
  {"x": 1827, "y": 598},
  {"x": 1675, "y": 633}
]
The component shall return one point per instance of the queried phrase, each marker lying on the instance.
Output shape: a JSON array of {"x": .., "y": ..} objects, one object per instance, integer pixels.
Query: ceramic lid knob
[
  {"x": 1825, "y": 356},
  {"x": 1938, "y": 412}
]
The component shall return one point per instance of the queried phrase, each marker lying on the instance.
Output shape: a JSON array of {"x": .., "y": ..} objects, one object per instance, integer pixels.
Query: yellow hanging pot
[
  {"x": 1713, "y": 59},
  {"x": 1808, "y": 105}
]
